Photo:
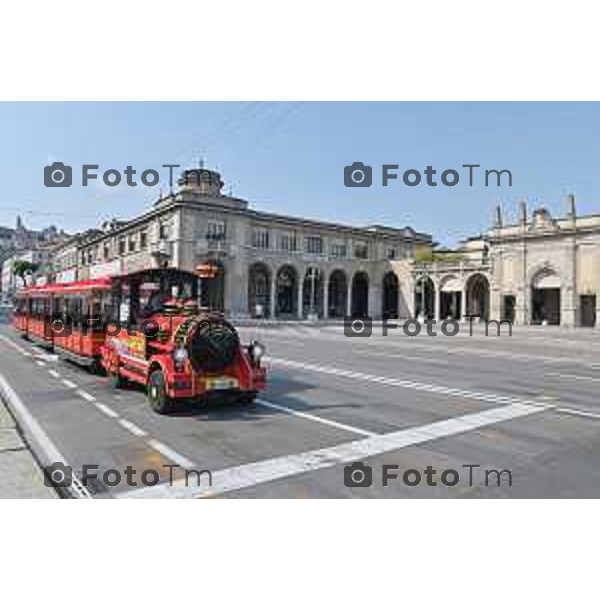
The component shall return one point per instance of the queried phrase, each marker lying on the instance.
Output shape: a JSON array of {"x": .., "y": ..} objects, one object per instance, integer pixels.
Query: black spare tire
[{"x": 213, "y": 345}]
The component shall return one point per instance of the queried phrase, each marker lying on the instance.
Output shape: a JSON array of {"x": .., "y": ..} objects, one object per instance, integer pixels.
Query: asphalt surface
[{"x": 527, "y": 405}]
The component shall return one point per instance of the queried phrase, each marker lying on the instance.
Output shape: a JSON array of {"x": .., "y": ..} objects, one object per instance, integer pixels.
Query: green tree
[{"x": 22, "y": 268}]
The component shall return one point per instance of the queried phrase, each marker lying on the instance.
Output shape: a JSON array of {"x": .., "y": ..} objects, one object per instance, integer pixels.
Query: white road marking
[
  {"x": 411, "y": 345},
  {"x": 419, "y": 359},
  {"x": 578, "y": 377},
  {"x": 86, "y": 396},
  {"x": 39, "y": 437},
  {"x": 315, "y": 418},
  {"x": 106, "y": 410},
  {"x": 47, "y": 357},
  {"x": 404, "y": 383},
  {"x": 579, "y": 413},
  {"x": 53, "y": 373},
  {"x": 132, "y": 428},
  {"x": 171, "y": 454},
  {"x": 265, "y": 471},
  {"x": 292, "y": 343},
  {"x": 69, "y": 383},
  {"x": 41, "y": 363},
  {"x": 15, "y": 346}
]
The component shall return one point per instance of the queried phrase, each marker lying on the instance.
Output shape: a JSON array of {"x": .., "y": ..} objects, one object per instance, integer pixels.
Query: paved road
[{"x": 526, "y": 406}]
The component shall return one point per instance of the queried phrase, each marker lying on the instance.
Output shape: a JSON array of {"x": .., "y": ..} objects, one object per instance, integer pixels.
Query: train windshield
[{"x": 140, "y": 295}]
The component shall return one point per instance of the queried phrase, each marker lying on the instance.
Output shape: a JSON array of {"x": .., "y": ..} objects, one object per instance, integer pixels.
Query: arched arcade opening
[
  {"x": 360, "y": 295},
  {"x": 478, "y": 297},
  {"x": 286, "y": 293},
  {"x": 259, "y": 290},
  {"x": 337, "y": 294},
  {"x": 545, "y": 298},
  {"x": 390, "y": 296}
]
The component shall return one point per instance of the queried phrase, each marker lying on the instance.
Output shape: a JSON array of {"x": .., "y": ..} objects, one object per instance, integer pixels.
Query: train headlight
[
  {"x": 257, "y": 351},
  {"x": 180, "y": 356}
]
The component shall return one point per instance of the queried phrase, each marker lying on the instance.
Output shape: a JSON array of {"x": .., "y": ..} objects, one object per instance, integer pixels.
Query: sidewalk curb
[{"x": 41, "y": 447}]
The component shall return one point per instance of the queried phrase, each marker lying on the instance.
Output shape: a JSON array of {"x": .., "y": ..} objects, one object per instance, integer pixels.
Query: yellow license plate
[{"x": 221, "y": 383}]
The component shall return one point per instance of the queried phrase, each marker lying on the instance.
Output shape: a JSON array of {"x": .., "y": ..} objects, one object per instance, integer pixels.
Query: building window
[
  {"x": 143, "y": 239},
  {"x": 314, "y": 244},
  {"x": 390, "y": 253},
  {"x": 132, "y": 243},
  {"x": 164, "y": 230},
  {"x": 337, "y": 250},
  {"x": 106, "y": 250},
  {"x": 361, "y": 250},
  {"x": 287, "y": 242},
  {"x": 90, "y": 257},
  {"x": 260, "y": 238},
  {"x": 122, "y": 245},
  {"x": 215, "y": 230},
  {"x": 83, "y": 258}
]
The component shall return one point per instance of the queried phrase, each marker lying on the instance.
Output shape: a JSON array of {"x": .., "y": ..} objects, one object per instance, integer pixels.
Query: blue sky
[{"x": 289, "y": 158}]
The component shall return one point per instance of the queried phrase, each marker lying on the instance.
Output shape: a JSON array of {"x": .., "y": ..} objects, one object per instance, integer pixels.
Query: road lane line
[
  {"x": 40, "y": 363},
  {"x": 15, "y": 346},
  {"x": 310, "y": 417},
  {"x": 266, "y": 471},
  {"x": 132, "y": 428},
  {"x": 53, "y": 373},
  {"x": 40, "y": 439},
  {"x": 579, "y": 413},
  {"x": 419, "y": 359},
  {"x": 86, "y": 396},
  {"x": 70, "y": 384},
  {"x": 578, "y": 377},
  {"x": 171, "y": 454},
  {"x": 106, "y": 410},
  {"x": 413, "y": 346},
  {"x": 403, "y": 383}
]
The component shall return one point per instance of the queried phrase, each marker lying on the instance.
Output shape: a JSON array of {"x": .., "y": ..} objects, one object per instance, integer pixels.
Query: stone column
[
  {"x": 406, "y": 300},
  {"x": 495, "y": 304},
  {"x": 273, "y": 297},
  {"x": 374, "y": 297},
  {"x": 236, "y": 288},
  {"x": 349, "y": 298},
  {"x": 568, "y": 306},
  {"x": 437, "y": 297},
  {"x": 300, "y": 297},
  {"x": 325, "y": 296}
]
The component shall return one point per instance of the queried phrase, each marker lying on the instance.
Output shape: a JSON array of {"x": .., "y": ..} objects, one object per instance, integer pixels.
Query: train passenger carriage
[
  {"x": 31, "y": 309},
  {"x": 75, "y": 322}
]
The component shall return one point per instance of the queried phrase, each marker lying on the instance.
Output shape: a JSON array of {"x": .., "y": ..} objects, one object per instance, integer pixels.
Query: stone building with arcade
[
  {"x": 539, "y": 270},
  {"x": 268, "y": 265}
]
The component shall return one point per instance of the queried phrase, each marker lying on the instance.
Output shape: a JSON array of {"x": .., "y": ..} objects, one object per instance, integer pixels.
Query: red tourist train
[{"x": 144, "y": 327}]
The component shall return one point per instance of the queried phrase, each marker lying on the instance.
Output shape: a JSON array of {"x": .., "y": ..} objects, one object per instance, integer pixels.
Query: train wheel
[{"x": 157, "y": 393}]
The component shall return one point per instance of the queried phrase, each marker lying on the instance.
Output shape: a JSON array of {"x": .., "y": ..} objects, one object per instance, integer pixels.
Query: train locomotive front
[{"x": 176, "y": 349}]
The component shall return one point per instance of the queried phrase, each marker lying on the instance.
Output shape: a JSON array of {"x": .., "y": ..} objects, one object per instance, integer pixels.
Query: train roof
[{"x": 75, "y": 287}]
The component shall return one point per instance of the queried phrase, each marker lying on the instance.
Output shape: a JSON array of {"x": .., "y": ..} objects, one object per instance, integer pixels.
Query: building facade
[
  {"x": 267, "y": 265},
  {"x": 540, "y": 270}
]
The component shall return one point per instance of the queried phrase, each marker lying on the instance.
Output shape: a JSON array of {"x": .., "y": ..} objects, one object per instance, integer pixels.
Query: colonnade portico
[
  {"x": 325, "y": 290},
  {"x": 452, "y": 293}
]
